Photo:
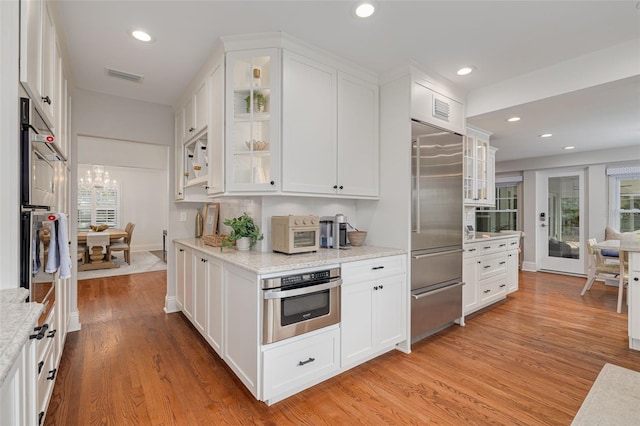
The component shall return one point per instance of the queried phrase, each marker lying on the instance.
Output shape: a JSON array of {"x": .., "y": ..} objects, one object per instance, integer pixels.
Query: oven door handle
[{"x": 277, "y": 294}]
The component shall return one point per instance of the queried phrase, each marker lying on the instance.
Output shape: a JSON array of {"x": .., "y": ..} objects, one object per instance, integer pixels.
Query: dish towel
[{"x": 59, "y": 256}]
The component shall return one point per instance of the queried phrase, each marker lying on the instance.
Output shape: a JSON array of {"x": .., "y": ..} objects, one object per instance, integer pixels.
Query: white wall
[{"x": 9, "y": 147}]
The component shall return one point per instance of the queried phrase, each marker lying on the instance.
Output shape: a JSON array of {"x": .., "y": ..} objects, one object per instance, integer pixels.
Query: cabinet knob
[
  {"x": 46, "y": 100},
  {"x": 335, "y": 186},
  {"x": 181, "y": 249},
  {"x": 191, "y": 129},
  {"x": 381, "y": 287},
  {"x": 272, "y": 182},
  {"x": 635, "y": 278},
  {"x": 341, "y": 187}
]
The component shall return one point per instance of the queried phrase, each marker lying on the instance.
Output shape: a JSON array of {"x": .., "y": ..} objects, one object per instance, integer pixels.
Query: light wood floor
[{"x": 529, "y": 360}]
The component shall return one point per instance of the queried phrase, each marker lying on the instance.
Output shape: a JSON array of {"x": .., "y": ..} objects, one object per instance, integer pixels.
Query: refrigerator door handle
[
  {"x": 434, "y": 292},
  {"x": 440, "y": 253}
]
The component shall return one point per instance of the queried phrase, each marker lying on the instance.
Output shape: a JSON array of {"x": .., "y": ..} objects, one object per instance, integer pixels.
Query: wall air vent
[
  {"x": 440, "y": 109},
  {"x": 136, "y": 78}
]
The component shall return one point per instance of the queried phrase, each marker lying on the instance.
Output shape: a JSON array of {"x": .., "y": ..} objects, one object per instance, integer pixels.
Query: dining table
[
  {"x": 632, "y": 247},
  {"x": 97, "y": 259}
]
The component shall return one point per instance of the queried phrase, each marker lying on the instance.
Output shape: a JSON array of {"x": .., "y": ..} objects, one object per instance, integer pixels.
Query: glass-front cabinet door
[
  {"x": 253, "y": 131},
  {"x": 478, "y": 170}
]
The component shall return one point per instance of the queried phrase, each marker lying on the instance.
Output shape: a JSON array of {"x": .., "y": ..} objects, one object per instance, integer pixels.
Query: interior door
[{"x": 561, "y": 222}]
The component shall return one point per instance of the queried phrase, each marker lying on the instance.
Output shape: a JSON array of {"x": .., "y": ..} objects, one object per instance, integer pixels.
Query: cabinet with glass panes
[
  {"x": 252, "y": 128},
  {"x": 479, "y": 168}
]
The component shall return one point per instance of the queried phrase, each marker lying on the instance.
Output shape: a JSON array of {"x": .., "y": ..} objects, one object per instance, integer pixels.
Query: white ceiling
[{"x": 503, "y": 39}]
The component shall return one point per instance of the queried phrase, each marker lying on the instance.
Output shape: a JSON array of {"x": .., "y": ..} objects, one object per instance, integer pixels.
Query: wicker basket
[
  {"x": 215, "y": 240},
  {"x": 356, "y": 238}
]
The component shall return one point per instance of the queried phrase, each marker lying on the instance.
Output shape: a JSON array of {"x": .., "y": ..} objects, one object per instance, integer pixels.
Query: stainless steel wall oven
[{"x": 297, "y": 304}]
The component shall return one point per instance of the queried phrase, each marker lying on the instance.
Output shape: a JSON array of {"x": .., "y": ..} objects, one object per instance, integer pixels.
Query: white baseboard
[
  {"x": 74, "y": 322},
  {"x": 170, "y": 305},
  {"x": 146, "y": 247},
  {"x": 529, "y": 266}
]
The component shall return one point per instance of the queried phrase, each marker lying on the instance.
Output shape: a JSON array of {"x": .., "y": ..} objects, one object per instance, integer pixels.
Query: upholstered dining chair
[
  {"x": 124, "y": 246},
  {"x": 602, "y": 268}
]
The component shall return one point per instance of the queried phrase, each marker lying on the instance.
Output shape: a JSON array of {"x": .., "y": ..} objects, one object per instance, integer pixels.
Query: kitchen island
[
  {"x": 631, "y": 246},
  {"x": 221, "y": 293}
]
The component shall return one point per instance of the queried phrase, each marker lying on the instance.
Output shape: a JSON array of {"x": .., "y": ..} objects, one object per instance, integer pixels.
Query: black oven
[
  {"x": 38, "y": 156},
  {"x": 297, "y": 304}
]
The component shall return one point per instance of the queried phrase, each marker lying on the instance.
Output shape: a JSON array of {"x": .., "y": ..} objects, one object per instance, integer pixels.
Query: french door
[{"x": 561, "y": 222}]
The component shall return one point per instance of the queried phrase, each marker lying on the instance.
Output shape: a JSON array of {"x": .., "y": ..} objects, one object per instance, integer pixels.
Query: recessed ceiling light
[
  {"x": 546, "y": 135},
  {"x": 513, "y": 119},
  {"x": 569, "y": 147},
  {"x": 364, "y": 9},
  {"x": 466, "y": 70},
  {"x": 141, "y": 35}
]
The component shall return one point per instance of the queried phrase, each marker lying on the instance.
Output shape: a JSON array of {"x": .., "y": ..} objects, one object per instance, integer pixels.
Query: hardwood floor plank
[{"x": 529, "y": 360}]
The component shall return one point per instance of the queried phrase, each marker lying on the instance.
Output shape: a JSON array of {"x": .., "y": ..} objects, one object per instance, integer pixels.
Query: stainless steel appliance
[
  {"x": 294, "y": 234},
  {"x": 38, "y": 153},
  {"x": 333, "y": 229},
  {"x": 35, "y": 230},
  {"x": 299, "y": 303},
  {"x": 437, "y": 226}
]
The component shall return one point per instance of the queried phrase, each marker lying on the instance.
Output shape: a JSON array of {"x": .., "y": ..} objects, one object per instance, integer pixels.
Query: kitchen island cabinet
[
  {"x": 229, "y": 283},
  {"x": 489, "y": 270}
]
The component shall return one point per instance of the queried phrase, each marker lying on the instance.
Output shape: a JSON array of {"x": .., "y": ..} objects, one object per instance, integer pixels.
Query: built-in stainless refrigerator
[{"x": 437, "y": 225}]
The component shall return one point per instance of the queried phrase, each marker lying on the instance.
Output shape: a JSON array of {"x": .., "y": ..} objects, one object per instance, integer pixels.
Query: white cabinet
[
  {"x": 216, "y": 130},
  {"x": 38, "y": 56},
  {"x": 17, "y": 392},
  {"x": 253, "y": 121},
  {"x": 200, "y": 284},
  {"x": 431, "y": 107},
  {"x": 178, "y": 160},
  {"x": 214, "y": 305},
  {"x": 373, "y": 308},
  {"x": 291, "y": 367},
  {"x": 358, "y": 146},
  {"x": 194, "y": 113},
  {"x": 184, "y": 274},
  {"x": 332, "y": 117},
  {"x": 488, "y": 272},
  {"x": 309, "y": 101},
  {"x": 633, "y": 300},
  {"x": 241, "y": 325},
  {"x": 479, "y": 168}
]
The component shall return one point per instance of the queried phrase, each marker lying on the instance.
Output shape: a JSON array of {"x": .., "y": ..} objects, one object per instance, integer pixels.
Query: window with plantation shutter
[{"x": 98, "y": 206}]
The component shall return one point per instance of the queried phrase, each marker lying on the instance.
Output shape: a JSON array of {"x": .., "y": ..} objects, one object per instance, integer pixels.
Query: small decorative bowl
[
  {"x": 257, "y": 145},
  {"x": 356, "y": 238}
]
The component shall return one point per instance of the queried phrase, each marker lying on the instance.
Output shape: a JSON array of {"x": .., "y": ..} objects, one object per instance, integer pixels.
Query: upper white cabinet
[
  {"x": 432, "y": 107},
  {"x": 38, "y": 56},
  {"x": 309, "y": 137},
  {"x": 253, "y": 120},
  {"x": 194, "y": 113},
  {"x": 216, "y": 130},
  {"x": 332, "y": 117},
  {"x": 479, "y": 168}
]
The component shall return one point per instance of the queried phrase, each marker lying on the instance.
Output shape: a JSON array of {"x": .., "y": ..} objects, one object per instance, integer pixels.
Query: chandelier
[{"x": 98, "y": 179}]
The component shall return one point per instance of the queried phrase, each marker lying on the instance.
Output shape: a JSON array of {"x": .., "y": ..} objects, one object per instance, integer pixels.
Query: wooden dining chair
[
  {"x": 601, "y": 268},
  {"x": 125, "y": 245}
]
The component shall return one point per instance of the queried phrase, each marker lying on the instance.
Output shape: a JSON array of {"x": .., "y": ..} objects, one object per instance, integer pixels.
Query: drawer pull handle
[
  {"x": 375, "y": 287},
  {"x": 487, "y": 291},
  {"x": 301, "y": 363},
  {"x": 502, "y": 285},
  {"x": 487, "y": 266},
  {"x": 40, "y": 417},
  {"x": 503, "y": 262},
  {"x": 41, "y": 331},
  {"x": 472, "y": 249},
  {"x": 377, "y": 267},
  {"x": 487, "y": 247},
  {"x": 502, "y": 245},
  {"x": 52, "y": 334},
  {"x": 40, "y": 365},
  {"x": 53, "y": 374}
]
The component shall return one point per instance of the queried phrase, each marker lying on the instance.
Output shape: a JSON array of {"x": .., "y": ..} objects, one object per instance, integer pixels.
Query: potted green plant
[
  {"x": 242, "y": 227},
  {"x": 259, "y": 99}
]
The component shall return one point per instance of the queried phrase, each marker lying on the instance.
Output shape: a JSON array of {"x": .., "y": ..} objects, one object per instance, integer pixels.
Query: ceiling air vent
[
  {"x": 136, "y": 78},
  {"x": 440, "y": 109}
]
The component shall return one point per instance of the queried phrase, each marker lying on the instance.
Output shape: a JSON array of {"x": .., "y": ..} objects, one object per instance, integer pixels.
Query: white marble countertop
[
  {"x": 269, "y": 262},
  {"x": 487, "y": 236},
  {"x": 17, "y": 320},
  {"x": 629, "y": 245}
]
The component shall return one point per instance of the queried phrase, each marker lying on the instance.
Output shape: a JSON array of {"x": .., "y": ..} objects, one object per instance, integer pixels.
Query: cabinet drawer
[
  {"x": 490, "y": 266},
  {"x": 513, "y": 244},
  {"x": 492, "y": 289},
  {"x": 373, "y": 268},
  {"x": 300, "y": 364},
  {"x": 43, "y": 344},
  {"x": 45, "y": 380},
  {"x": 485, "y": 247}
]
